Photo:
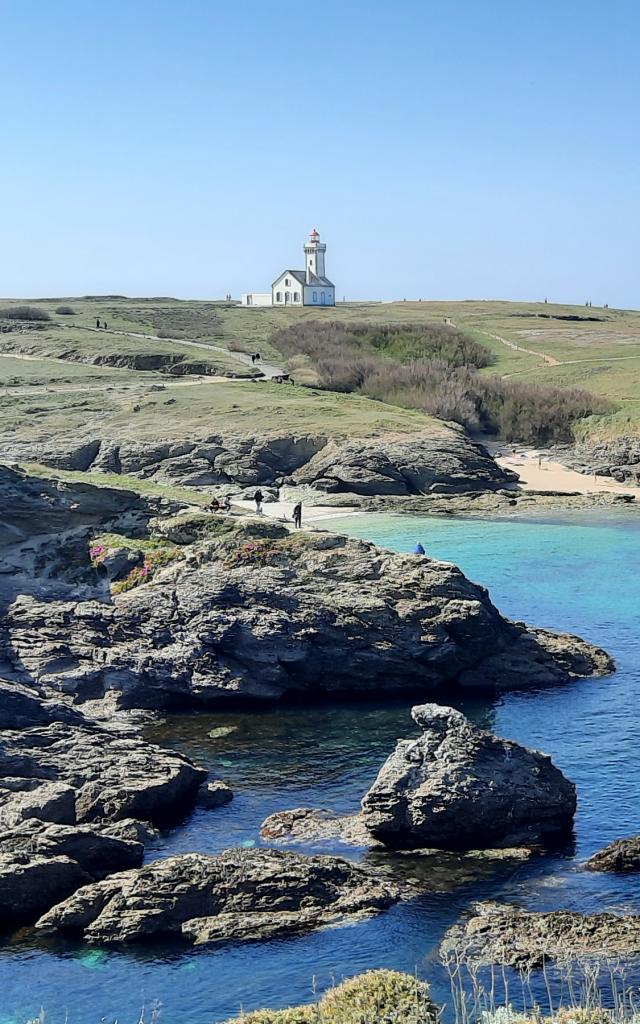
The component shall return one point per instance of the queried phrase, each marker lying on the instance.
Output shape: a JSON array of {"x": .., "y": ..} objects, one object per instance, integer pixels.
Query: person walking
[
  {"x": 419, "y": 550},
  {"x": 97, "y": 323},
  {"x": 297, "y": 515},
  {"x": 258, "y": 498},
  {"x": 105, "y": 325}
]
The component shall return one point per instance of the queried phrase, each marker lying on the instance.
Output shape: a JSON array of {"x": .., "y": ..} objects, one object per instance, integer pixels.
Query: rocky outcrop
[
  {"x": 621, "y": 856},
  {"x": 77, "y": 774},
  {"x": 504, "y": 934},
  {"x": 443, "y": 459},
  {"x": 618, "y": 458},
  {"x": 238, "y": 895},
  {"x": 259, "y": 614},
  {"x": 97, "y": 852},
  {"x": 460, "y": 787},
  {"x": 442, "y": 462},
  {"x": 214, "y": 794}
]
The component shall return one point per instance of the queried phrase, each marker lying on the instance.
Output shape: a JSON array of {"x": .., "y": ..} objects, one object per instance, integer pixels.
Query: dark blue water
[{"x": 578, "y": 573}]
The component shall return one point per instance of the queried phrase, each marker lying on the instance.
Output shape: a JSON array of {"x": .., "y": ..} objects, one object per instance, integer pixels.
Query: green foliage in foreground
[{"x": 377, "y": 997}]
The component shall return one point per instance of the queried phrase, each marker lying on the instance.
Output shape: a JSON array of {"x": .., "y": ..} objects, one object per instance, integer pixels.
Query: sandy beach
[{"x": 540, "y": 473}]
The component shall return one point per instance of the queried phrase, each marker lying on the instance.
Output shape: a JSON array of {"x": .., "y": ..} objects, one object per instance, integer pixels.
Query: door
[{"x": 322, "y": 299}]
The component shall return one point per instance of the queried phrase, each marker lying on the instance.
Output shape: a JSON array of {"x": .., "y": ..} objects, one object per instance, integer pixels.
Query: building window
[
  {"x": 315, "y": 296},
  {"x": 278, "y": 296},
  {"x": 287, "y": 281},
  {"x": 296, "y": 297}
]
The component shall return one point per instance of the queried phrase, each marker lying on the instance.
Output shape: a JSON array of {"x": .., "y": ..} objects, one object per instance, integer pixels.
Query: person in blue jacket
[{"x": 419, "y": 550}]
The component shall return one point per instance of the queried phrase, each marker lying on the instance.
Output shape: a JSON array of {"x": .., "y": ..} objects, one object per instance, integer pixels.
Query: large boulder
[
  {"x": 94, "y": 850},
  {"x": 459, "y": 787},
  {"x": 504, "y": 934},
  {"x": 239, "y": 895},
  {"x": 31, "y": 884}
]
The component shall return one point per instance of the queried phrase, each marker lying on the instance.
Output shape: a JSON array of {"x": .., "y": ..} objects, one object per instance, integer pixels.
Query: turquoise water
[{"x": 576, "y": 573}]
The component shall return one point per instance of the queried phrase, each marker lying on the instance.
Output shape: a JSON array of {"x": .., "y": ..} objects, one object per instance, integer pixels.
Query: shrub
[
  {"x": 153, "y": 560},
  {"x": 24, "y": 313},
  {"x": 433, "y": 368},
  {"x": 65, "y": 311},
  {"x": 376, "y": 997}
]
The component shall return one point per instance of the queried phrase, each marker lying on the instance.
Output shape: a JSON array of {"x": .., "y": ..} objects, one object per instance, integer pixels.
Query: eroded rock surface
[
  {"x": 238, "y": 895},
  {"x": 504, "y": 934},
  {"x": 458, "y": 786},
  {"x": 257, "y": 613},
  {"x": 621, "y": 856}
]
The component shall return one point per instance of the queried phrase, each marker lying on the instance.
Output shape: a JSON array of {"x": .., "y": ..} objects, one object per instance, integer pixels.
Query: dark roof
[{"x": 301, "y": 278}]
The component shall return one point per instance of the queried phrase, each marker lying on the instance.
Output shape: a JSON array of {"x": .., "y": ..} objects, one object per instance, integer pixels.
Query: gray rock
[
  {"x": 238, "y": 895},
  {"x": 504, "y": 934},
  {"x": 47, "y": 801},
  {"x": 30, "y": 885},
  {"x": 105, "y": 775},
  {"x": 262, "y": 614},
  {"x": 130, "y": 830},
  {"x": 96, "y": 852},
  {"x": 118, "y": 562},
  {"x": 621, "y": 856},
  {"x": 307, "y": 824},
  {"x": 214, "y": 794},
  {"x": 459, "y": 787}
]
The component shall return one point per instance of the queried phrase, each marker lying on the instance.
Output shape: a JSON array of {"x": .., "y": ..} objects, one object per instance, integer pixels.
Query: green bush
[
  {"x": 376, "y": 997},
  {"x": 65, "y": 311}
]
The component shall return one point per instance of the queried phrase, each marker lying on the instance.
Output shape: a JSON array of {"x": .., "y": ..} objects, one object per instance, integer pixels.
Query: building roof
[{"x": 301, "y": 278}]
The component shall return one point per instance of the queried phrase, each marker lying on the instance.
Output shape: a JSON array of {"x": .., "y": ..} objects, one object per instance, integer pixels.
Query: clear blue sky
[{"x": 444, "y": 148}]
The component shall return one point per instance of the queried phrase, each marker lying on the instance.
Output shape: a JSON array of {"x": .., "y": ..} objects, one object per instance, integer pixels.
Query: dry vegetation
[{"x": 433, "y": 368}]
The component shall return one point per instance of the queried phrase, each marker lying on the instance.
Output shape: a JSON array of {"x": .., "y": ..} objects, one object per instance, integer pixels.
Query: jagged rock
[
  {"x": 621, "y": 856},
  {"x": 21, "y": 799},
  {"x": 505, "y": 934},
  {"x": 130, "y": 830},
  {"x": 97, "y": 853},
  {"x": 30, "y": 885},
  {"x": 239, "y": 895},
  {"x": 260, "y": 614},
  {"x": 307, "y": 824},
  {"x": 214, "y": 794},
  {"x": 446, "y": 460},
  {"x": 98, "y": 774},
  {"x": 21, "y": 707},
  {"x": 459, "y": 787}
]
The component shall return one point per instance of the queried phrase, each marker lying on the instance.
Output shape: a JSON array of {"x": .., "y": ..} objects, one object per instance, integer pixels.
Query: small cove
[{"x": 576, "y": 572}]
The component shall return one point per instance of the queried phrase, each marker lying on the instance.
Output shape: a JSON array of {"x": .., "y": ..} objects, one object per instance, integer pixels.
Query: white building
[{"x": 308, "y": 287}]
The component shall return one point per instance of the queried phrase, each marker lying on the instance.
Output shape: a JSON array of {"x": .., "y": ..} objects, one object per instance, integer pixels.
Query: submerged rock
[
  {"x": 460, "y": 787},
  {"x": 214, "y": 794},
  {"x": 621, "y": 856},
  {"x": 238, "y": 895},
  {"x": 307, "y": 824},
  {"x": 504, "y": 934}
]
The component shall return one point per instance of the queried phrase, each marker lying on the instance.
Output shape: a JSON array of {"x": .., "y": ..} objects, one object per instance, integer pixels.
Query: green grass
[
  {"x": 120, "y": 481},
  {"x": 204, "y": 409},
  {"x": 245, "y": 329}
]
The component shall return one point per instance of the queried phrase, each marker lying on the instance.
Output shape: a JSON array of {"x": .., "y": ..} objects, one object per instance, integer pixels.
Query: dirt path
[
  {"x": 546, "y": 358},
  {"x": 268, "y": 370}
]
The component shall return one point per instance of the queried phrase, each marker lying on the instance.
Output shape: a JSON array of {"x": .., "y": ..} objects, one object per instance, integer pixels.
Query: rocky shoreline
[{"x": 238, "y": 610}]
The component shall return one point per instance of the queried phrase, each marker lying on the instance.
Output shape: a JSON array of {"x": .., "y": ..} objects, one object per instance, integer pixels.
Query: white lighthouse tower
[
  {"x": 314, "y": 251},
  {"x": 308, "y": 287}
]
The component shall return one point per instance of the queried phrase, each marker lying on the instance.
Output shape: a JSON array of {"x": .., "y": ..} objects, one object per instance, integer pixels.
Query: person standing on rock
[
  {"x": 297, "y": 515},
  {"x": 258, "y": 498},
  {"x": 419, "y": 550}
]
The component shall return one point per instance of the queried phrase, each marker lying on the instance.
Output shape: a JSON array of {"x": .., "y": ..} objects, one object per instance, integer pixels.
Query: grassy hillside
[{"x": 601, "y": 353}]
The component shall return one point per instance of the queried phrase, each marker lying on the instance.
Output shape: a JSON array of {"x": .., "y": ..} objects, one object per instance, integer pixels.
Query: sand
[{"x": 553, "y": 476}]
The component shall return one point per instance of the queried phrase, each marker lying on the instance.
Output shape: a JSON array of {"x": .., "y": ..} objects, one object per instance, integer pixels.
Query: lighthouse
[
  {"x": 308, "y": 287},
  {"x": 314, "y": 251}
]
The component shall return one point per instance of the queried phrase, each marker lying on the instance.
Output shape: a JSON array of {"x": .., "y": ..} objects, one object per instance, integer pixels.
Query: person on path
[
  {"x": 258, "y": 498},
  {"x": 539, "y": 461},
  {"x": 297, "y": 515},
  {"x": 97, "y": 323},
  {"x": 253, "y": 357},
  {"x": 105, "y": 325},
  {"x": 419, "y": 550}
]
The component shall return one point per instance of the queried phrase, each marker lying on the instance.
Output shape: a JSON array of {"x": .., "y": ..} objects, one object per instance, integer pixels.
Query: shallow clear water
[{"x": 579, "y": 573}]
